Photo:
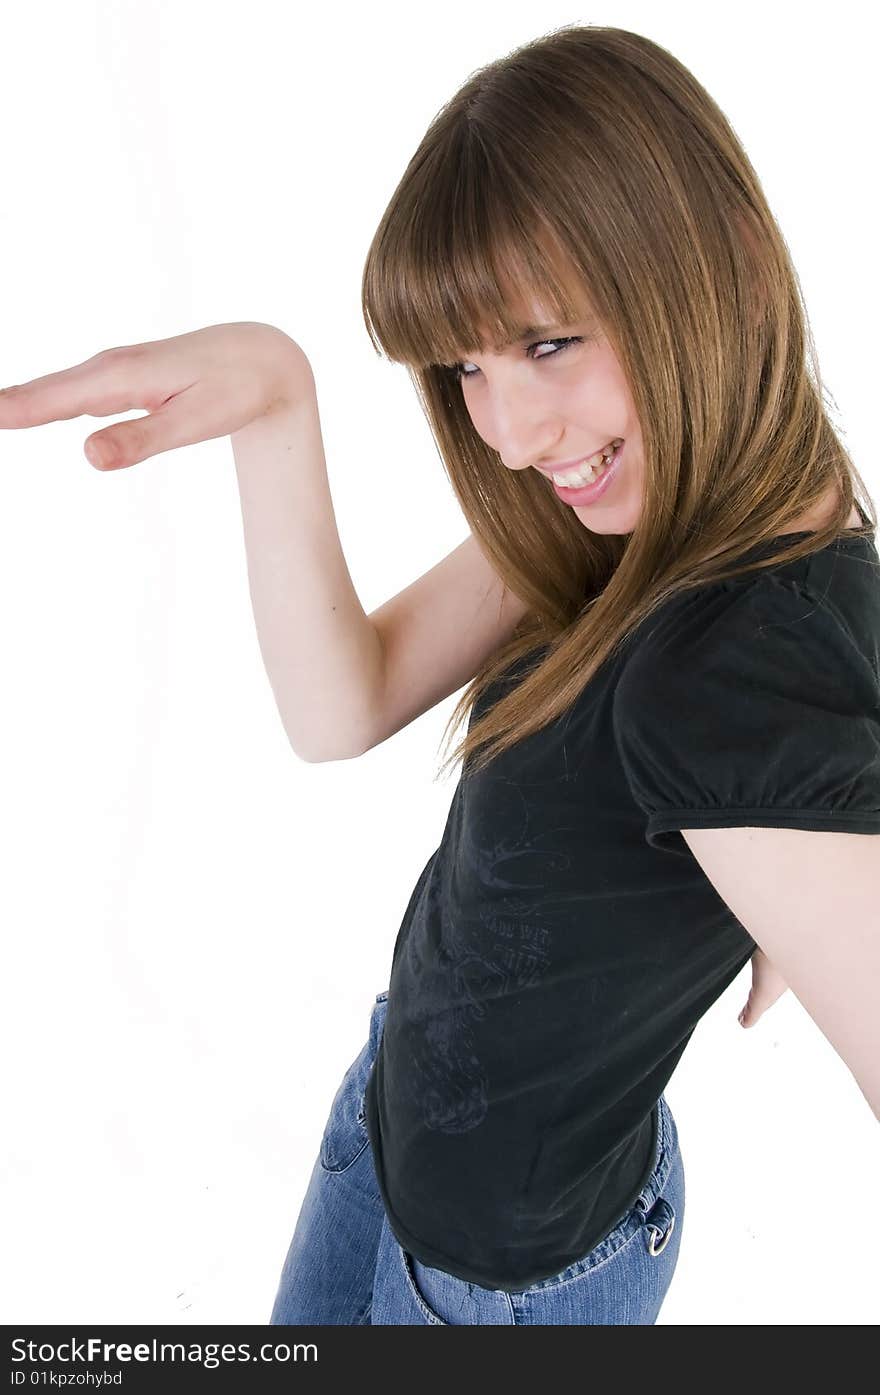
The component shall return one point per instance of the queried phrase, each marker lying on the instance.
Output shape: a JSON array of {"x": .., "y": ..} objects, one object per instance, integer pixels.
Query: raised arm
[{"x": 343, "y": 681}]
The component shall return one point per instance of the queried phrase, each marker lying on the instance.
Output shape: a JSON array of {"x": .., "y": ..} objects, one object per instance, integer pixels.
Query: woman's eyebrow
[
  {"x": 528, "y": 332},
  {"x": 532, "y": 332}
]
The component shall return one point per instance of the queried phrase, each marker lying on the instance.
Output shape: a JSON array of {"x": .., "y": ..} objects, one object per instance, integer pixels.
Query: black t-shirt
[{"x": 562, "y": 942}]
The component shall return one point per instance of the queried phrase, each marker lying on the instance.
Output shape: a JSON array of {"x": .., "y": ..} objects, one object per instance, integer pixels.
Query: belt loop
[{"x": 661, "y": 1221}]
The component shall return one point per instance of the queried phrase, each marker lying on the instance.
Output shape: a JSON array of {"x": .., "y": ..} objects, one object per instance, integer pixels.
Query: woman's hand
[
  {"x": 767, "y": 985},
  {"x": 194, "y": 387}
]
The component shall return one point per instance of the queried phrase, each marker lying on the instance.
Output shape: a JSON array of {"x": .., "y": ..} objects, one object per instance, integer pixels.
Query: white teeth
[{"x": 588, "y": 470}]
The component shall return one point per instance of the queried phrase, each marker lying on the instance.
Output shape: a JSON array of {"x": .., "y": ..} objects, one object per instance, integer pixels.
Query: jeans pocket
[
  {"x": 410, "y": 1267},
  {"x": 345, "y": 1133}
]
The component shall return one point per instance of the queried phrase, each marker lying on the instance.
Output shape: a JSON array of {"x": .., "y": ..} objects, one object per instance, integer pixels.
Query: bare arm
[
  {"x": 322, "y": 656},
  {"x": 344, "y": 681},
  {"x": 437, "y": 633}
]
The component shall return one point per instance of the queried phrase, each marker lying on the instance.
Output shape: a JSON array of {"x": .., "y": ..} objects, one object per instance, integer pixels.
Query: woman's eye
[{"x": 558, "y": 347}]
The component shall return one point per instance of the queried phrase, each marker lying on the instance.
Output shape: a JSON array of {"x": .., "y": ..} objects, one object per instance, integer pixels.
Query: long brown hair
[{"x": 590, "y": 169}]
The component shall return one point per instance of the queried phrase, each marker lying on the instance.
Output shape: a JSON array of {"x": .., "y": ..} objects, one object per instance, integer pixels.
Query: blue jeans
[{"x": 345, "y": 1267}]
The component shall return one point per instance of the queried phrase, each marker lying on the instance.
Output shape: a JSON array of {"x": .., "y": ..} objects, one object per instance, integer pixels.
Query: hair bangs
[{"x": 469, "y": 267}]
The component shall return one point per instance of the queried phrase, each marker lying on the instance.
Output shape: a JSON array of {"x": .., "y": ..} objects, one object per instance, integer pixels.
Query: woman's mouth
[{"x": 588, "y": 484}]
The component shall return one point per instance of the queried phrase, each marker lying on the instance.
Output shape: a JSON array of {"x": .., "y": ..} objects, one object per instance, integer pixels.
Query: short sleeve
[{"x": 753, "y": 704}]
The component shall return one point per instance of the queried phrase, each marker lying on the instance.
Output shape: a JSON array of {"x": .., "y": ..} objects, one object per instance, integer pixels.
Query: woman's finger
[
  {"x": 767, "y": 986},
  {"x": 206, "y": 383},
  {"x": 107, "y": 382},
  {"x": 188, "y": 417}
]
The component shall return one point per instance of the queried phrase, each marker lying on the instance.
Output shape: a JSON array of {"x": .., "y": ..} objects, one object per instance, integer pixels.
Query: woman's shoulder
[{"x": 797, "y": 613}]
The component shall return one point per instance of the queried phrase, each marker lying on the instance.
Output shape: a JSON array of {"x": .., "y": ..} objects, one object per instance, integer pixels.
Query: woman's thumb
[{"x": 767, "y": 986}]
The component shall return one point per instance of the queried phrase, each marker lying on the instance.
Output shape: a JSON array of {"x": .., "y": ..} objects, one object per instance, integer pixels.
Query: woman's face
[{"x": 541, "y": 405}]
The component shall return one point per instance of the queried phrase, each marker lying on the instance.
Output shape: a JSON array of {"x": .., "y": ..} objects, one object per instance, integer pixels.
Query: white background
[{"x": 195, "y": 921}]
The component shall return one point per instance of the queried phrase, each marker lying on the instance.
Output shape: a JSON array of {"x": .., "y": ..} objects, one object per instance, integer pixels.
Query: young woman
[{"x": 668, "y": 618}]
